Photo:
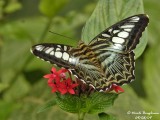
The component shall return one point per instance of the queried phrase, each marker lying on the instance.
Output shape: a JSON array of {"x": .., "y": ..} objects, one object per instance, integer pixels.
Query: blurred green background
[{"x": 23, "y": 90}]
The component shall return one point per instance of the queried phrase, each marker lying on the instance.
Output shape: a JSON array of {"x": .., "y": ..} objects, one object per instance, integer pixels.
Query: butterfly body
[{"x": 108, "y": 59}]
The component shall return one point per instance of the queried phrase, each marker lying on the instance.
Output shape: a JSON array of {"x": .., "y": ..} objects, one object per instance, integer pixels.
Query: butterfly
[{"x": 108, "y": 59}]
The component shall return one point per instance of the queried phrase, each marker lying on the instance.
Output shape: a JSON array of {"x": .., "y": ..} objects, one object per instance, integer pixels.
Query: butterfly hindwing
[{"x": 118, "y": 68}]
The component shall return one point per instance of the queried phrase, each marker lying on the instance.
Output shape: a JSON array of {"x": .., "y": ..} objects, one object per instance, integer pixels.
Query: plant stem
[
  {"x": 81, "y": 115},
  {"x": 46, "y": 30}
]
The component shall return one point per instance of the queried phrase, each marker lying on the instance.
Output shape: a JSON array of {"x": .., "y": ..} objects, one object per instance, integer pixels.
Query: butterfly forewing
[
  {"x": 123, "y": 36},
  {"x": 55, "y": 54}
]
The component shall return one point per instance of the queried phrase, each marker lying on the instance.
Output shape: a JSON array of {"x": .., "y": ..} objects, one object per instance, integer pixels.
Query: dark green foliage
[{"x": 94, "y": 103}]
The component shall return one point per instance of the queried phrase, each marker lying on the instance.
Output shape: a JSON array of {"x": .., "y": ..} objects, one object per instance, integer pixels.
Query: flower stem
[
  {"x": 81, "y": 115},
  {"x": 46, "y": 30}
]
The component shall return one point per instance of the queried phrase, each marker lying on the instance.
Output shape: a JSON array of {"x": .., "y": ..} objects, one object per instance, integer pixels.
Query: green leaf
[
  {"x": 107, "y": 13},
  {"x": 98, "y": 102},
  {"x": 69, "y": 103},
  {"x": 47, "y": 106},
  {"x": 51, "y": 7},
  {"x": 95, "y": 103},
  {"x": 104, "y": 116}
]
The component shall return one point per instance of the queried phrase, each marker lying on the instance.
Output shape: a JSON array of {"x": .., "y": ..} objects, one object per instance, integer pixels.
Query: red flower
[
  {"x": 70, "y": 86},
  {"x": 58, "y": 82},
  {"x": 58, "y": 87},
  {"x": 54, "y": 87},
  {"x": 55, "y": 75},
  {"x": 117, "y": 88}
]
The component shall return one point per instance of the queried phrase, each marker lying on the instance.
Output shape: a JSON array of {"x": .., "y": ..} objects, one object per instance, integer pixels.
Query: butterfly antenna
[{"x": 61, "y": 35}]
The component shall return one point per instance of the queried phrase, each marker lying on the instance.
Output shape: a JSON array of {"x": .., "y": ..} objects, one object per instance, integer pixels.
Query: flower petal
[
  {"x": 120, "y": 89},
  {"x": 68, "y": 81},
  {"x": 51, "y": 85},
  {"x": 54, "y": 90},
  {"x": 74, "y": 85},
  {"x": 57, "y": 79},
  {"x": 71, "y": 91},
  {"x": 62, "y": 85},
  {"x": 62, "y": 91},
  {"x": 53, "y": 70},
  {"x": 62, "y": 71},
  {"x": 47, "y": 76},
  {"x": 50, "y": 80},
  {"x": 117, "y": 88}
]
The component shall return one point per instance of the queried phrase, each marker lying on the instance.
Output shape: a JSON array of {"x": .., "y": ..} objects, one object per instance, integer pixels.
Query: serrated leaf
[
  {"x": 69, "y": 103},
  {"x": 51, "y": 7},
  {"x": 108, "y": 12},
  {"x": 98, "y": 102},
  {"x": 104, "y": 116},
  {"x": 47, "y": 106}
]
